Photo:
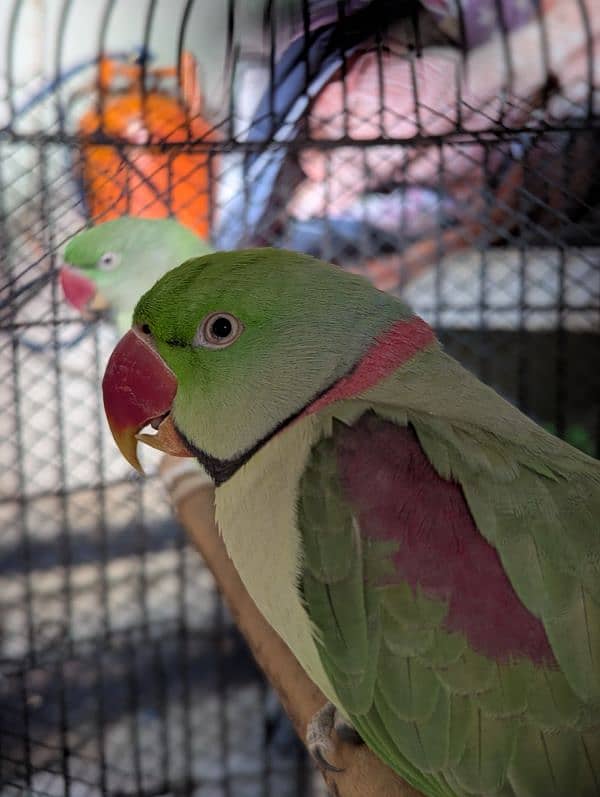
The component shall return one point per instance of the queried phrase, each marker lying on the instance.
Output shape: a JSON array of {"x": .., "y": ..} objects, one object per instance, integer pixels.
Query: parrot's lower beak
[
  {"x": 81, "y": 293},
  {"x": 139, "y": 389}
]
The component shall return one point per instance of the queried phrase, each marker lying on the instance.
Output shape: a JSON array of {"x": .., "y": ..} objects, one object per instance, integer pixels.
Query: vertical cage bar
[{"x": 65, "y": 537}]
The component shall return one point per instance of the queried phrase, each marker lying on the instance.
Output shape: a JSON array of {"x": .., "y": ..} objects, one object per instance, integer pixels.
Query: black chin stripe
[{"x": 220, "y": 470}]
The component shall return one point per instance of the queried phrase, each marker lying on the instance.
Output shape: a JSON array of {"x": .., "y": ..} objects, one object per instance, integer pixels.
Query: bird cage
[{"x": 448, "y": 150}]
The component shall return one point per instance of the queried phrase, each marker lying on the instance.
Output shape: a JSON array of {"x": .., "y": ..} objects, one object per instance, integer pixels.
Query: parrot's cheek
[
  {"x": 82, "y": 293},
  {"x": 138, "y": 388}
]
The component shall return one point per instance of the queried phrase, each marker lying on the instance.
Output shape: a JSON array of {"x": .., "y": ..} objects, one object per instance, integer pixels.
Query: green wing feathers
[
  {"x": 349, "y": 623},
  {"x": 450, "y": 719}
]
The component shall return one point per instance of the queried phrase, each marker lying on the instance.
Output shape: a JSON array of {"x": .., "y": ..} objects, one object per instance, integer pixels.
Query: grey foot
[{"x": 318, "y": 736}]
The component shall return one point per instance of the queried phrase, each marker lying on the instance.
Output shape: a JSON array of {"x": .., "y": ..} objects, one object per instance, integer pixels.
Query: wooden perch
[{"x": 363, "y": 775}]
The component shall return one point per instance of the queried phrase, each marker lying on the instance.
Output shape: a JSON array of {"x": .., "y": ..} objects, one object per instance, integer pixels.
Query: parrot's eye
[
  {"x": 218, "y": 330},
  {"x": 108, "y": 261}
]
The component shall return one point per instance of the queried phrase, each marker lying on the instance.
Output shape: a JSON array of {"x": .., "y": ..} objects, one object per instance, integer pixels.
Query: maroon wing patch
[{"x": 398, "y": 496}]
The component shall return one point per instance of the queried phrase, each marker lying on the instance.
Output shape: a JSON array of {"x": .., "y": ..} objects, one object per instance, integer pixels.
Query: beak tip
[
  {"x": 127, "y": 444},
  {"x": 131, "y": 456}
]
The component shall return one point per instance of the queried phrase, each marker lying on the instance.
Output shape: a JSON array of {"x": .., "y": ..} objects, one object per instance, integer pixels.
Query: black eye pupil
[
  {"x": 146, "y": 329},
  {"x": 221, "y": 327}
]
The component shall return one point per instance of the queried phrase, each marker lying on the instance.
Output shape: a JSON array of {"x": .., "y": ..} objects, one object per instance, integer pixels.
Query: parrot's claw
[
  {"x": 318, "y": 736},
  {"x": 317, "y": 753}
]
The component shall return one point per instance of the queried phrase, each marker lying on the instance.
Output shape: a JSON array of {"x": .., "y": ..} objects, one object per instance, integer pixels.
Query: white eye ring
[
  {"x": 217, "y": 331},
  {"x": 108, "y": 261}
]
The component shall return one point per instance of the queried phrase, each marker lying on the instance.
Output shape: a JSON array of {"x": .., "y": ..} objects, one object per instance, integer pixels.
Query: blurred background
[{"x": 449, "y": 150}]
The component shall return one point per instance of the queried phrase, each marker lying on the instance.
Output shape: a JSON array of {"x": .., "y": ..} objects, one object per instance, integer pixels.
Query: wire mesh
[{"x": 448, "y": 150}]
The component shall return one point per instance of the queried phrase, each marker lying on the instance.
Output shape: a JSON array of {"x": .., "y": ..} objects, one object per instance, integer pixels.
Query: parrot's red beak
[
  {"x": 138, "y": 389},
  {"x": 81, "y": 292}
]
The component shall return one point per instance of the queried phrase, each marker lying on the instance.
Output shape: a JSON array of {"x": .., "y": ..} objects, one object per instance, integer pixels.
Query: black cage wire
[{"x": 447, "y": 149}]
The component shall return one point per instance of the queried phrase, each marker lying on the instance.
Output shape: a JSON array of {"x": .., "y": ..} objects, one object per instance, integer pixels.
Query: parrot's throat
[{"x": 392, "y": 349}]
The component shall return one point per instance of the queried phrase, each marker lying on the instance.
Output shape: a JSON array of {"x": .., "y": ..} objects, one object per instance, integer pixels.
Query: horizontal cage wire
[{"x": 448, "y": 150}]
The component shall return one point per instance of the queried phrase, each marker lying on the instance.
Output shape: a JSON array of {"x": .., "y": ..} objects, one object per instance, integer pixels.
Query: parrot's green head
[
  {"x": 117, "y": 261},
  {"x": 234, "y": 346}
]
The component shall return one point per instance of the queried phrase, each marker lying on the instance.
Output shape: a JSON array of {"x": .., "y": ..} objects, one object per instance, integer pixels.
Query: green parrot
[
  {"x": 119, "y": 260},
  {"x": 429, "y": 554}
]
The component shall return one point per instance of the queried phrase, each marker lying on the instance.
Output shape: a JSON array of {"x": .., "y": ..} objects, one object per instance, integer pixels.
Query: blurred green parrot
[
  {"x": 111, "y": 264},
  {"x": 429, "y": 554},
  {"x": 119, "y": 260}
]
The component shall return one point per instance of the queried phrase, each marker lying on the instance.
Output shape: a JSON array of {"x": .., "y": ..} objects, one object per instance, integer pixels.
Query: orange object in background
[{"x": 138, "y": 178}]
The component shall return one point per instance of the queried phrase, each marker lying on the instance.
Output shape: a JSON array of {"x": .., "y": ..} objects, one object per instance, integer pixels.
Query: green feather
[
  {"x": 470, "y": 673},
  {"x": 410, "y": 689},
  {"x": 507, "y": 695},
  {"x": 488, "y": 751},
  {"x": 446, "y": 650}
]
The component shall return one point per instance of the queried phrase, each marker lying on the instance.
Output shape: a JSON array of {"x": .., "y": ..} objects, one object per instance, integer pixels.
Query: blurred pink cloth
[{"x": 451, "y": 94}]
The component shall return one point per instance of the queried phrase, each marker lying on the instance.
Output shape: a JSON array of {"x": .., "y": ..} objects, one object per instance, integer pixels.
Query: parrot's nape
[{"x": 433, "y": 556}]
